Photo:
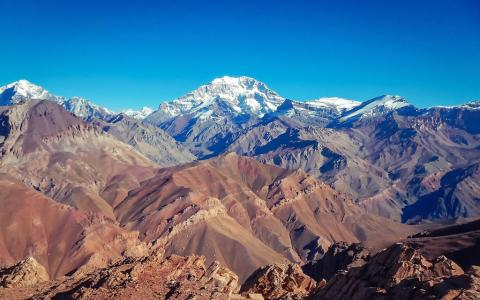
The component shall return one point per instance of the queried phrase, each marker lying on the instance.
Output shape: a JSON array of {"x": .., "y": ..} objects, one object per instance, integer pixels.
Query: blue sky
[{"x": 133, "y": 53}]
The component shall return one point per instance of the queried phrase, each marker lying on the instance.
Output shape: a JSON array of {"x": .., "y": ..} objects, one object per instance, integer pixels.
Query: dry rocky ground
[{"x": 398, "y": 272}]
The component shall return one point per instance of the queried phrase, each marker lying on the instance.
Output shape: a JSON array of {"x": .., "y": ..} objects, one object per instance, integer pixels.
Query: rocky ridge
[
  {"x": 401, "y": 272},
  {"x": 150, "y": 277}
]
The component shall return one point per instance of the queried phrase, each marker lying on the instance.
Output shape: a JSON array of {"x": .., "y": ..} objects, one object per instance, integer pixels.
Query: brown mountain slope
[
  {"x": 460, "y": 243},
  {"x": 59, "y": 237},
  {"x": 246, "y": 214},
  {"x": 72, "y": 162}
]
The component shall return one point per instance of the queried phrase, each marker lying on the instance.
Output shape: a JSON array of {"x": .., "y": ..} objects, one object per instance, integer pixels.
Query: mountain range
[
  {"x": 241, "y": 185},
  {"x": 385, "y": 153}
]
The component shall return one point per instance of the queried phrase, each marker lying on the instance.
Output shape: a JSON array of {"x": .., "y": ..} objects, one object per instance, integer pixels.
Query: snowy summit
[
  {"x": 376, "y": 107},
  {"x": 138, "y": 114},
  {"x": 230, "y": 95}
]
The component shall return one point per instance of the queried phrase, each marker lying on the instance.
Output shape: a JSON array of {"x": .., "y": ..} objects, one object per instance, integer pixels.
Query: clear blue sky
[{"x": 132, "y": 53}]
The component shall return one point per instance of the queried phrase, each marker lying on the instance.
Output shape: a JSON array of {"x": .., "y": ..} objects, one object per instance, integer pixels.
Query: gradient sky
[{"x": 132, "y": 53}]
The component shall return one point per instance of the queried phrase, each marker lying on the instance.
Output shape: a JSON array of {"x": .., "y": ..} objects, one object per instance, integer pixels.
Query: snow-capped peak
[
  {"x": 22, "y": 90},
  {"x": 231, "y": 80},
  {"x": 475, "y": 104},
  {"x": 86, "y": 109},
  {"x": 139, "y": 114},
  {"x": 235, "y": 95},
  {"x": 376, "y": 106},
  {"x": 339, "y": 104},
  {"x": 471, "y": 105}
]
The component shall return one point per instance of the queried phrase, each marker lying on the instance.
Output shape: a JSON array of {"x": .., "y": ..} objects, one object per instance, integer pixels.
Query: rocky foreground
[{"x": 398, "y": 272}]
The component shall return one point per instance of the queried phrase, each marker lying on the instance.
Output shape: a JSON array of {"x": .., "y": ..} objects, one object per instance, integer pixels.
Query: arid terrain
[{"x": 213, "y": 197}]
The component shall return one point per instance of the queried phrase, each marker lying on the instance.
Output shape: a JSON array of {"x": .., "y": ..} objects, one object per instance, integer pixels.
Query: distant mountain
[
  {"x": 384, "y": 152},
  {"x": 318, "y": 112},
  {"x": 139, "y": 114},
  {"x": 333, "y": 103},
  {"x": 126, "y": 127},
  {"x": 209, "y": 118},
  {"x": 387, "y": 157},
  {"x": 86, "y": 109},
  {"x": 223, "y": 97},
  {"x": 149, "y": 140},
  {"x": 457, "y": 196},
  {"x": 66, "y": 158},
  {"x": 23, "y": 90},
  {"x": 206, "y": 118},
  {"x": 375, "y": 107}
]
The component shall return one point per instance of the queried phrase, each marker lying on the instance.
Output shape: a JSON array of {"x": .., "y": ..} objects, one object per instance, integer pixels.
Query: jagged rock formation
[
  {"x": 399, "y": 272},
  {"x": 283, "y": 281},
  {"x": 340, "y": 257},
  {"x": 151, "y": 277},
  {"x": 25, "y": 273},
  {"x": 463, "y": 287}
]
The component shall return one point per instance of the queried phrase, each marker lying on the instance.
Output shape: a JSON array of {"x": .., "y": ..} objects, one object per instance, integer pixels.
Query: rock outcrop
[
  {"x": 25, "y": 273},
  {"x": 399, "y": 272},
  {"x": 153, "y": 277},
  {"x": 466, "y": 286},
  {"x": 282, "y": 281},
  {"x": 340, "y": 256}
]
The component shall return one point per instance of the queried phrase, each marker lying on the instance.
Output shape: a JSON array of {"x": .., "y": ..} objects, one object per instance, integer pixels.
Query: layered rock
[{"x": 246, "y": 214}]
